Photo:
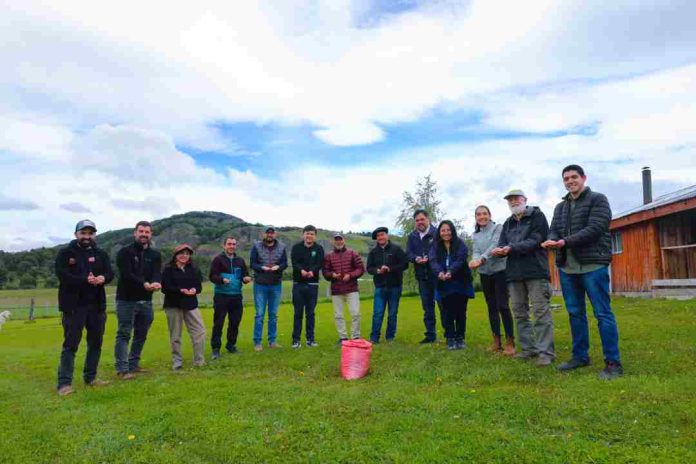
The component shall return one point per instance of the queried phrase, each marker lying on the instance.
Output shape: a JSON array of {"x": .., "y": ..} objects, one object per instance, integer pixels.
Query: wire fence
[{"x": 45, "y": 304}]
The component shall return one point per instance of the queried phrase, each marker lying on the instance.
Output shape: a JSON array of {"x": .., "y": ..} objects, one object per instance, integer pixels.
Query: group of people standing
[{"x": 511, "y": 260}]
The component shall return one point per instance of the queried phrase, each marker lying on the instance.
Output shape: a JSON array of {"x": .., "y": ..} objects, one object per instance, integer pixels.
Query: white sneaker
[{"x": 296, "y": 345}]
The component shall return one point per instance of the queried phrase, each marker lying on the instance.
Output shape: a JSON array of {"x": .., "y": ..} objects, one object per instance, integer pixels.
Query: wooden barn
[{"x": 654, "y": 246}]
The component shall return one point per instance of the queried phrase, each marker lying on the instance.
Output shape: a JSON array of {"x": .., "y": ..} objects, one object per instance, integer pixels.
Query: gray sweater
[{"x": 484, "y": 241}]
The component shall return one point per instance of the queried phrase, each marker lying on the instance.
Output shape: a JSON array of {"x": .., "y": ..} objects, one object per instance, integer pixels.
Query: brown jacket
[{"x": 343, "y": 261}]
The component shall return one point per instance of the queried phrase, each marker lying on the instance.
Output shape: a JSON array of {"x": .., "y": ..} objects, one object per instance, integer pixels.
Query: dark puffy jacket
[
  {"x": 73, "y": 265},
  {"x": 137, "y": 265},
  {"x": 393, "y": 257},
  {"x": 526, "y": 260},
  {"x": 585, "y": 231},
  {"x": 415, "y": 246},
  {"x": 174, "y": 279},
  {"x": 343, "y": 261}
]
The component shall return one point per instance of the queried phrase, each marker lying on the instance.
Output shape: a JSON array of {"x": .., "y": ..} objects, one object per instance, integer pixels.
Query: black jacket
[
  {"x": 394, "y": 257},
  {"x": 527, "y": 260},
  {"x": 585, "y": 231},
  {"x": 308, "y": 259},
  {"x": 174, "y": 279},
  {"x": 73, "y": 265},
  {"x": 137, "y": 265}
]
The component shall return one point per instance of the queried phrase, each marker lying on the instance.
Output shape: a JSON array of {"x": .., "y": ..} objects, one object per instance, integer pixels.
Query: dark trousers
[
  {"x": 454, "y": 315},
  {"x": 304, "y": 300},
  {"x": 231, "y": 307},
  {"x": 134, "y": 317},
  {"x": 426, "y": 290},
  {"x": 496, "y": 292},
  {"x": 86, "y": 317}
]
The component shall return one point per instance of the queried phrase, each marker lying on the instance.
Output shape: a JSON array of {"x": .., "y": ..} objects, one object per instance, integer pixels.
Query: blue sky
[{"x": 325, "y": 112}]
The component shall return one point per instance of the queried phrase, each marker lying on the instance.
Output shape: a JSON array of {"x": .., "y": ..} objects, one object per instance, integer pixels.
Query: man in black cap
[
  {"x": 268, "y": 260},
  {"x": 386, "y": 262},
  {"x": 140, "y": 274},
  {"x": 82, "y": 270}
]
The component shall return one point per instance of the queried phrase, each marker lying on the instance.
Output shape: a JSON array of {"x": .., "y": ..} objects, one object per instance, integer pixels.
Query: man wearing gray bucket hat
[
  {"x": 82, "y": 269},
  {"x": 527, "y": 272}
]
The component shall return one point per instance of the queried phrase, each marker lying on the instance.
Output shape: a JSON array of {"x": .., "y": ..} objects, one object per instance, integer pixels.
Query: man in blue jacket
[
  {"x": 417, "y": 248},
  {"x": 268, "y": 260},
  {"x": 82, "y": 270}
]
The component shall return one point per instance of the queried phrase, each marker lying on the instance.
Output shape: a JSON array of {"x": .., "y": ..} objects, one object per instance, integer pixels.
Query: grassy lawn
[{"x": 418, "y": 404}]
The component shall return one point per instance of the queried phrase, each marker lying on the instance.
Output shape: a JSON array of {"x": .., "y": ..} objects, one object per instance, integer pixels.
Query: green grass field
[{"x": 418, "y": 404}]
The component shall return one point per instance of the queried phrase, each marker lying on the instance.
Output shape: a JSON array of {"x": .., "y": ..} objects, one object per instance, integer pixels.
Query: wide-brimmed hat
[{"x": 182, "y": 247}]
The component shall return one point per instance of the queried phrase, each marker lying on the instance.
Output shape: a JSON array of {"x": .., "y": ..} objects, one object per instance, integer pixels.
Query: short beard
[
  {"x": 269, "y": 240},
  {"x": 518, "y": 209}
]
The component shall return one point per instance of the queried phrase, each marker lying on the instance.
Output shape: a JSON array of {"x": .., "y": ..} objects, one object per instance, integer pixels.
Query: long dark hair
[
  {"x": 478, "y": 227},
  {"x": 454, "y": 243}
]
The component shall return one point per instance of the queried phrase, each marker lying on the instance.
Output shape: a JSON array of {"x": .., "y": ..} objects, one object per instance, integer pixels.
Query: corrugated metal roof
[{"x": 683, "y": 194}]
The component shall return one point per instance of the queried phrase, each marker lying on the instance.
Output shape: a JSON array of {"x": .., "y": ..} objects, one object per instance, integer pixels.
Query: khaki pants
[
  {"x": 194, "y": 324},
  {"x": 353, "y": 301},
  {"x": 536, "y": 337}
]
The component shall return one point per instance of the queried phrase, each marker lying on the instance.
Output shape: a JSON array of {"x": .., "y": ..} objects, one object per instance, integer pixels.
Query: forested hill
[{"x": 204, "y": 230}]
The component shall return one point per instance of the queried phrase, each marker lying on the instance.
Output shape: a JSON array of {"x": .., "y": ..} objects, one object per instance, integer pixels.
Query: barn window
[{"x": 616, "y": 243}]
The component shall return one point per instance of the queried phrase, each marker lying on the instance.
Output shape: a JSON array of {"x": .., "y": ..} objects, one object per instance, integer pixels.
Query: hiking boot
[
  {"x": 460, "y": 344},
  {"x": 258, "y": 347},
  {"x": 216, "y": 354},
  {"x": 495, "y": 344},
  {"x": 525, "y": 355},
  {"x": 340, "y": 341},
  {"x": 232, "y": 350},
  {"x": 273, "y": 345},
  {"x": 65, "y": 390},
  {"x": 572, "y": 364},
  {"x": 296, "y": 344},
  {"x": 611, "y": 371},
  {"x": 312, "y": 344},
  {"x": 374, "y": 342},
  {"x": 126, "y": 375},
  {"x": 140, "y": 370},
  {"x": 451, "y": 344},
  {"x": 98, "y": 383},
  {"x": 509, "y": 347},
  {"x": 177, "y": 367},
  {"x": 426, "y": 340},
  {"x": 543, "y": 361}
]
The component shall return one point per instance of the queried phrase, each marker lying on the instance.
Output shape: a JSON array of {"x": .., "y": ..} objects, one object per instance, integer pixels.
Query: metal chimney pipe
[{"x": 647, "y": 186}]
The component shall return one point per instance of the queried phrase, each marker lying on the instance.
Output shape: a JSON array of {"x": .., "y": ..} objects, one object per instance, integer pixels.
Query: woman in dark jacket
[
  {"x": 448, "y": 261},
  {"x": 181, "y": 282}
]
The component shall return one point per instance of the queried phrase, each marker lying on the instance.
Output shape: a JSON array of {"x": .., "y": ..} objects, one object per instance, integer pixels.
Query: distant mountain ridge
[{"x": 203, "y": 230}]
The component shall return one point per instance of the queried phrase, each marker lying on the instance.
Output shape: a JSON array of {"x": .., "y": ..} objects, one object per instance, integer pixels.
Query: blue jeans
[
  {"x": 266, "y": 295},
  {"x": 596, "y": 285},
  {"x": 134, "y": 317},
  {"x": 426, "y": 289},
  {"x": 385, "y": 297}
]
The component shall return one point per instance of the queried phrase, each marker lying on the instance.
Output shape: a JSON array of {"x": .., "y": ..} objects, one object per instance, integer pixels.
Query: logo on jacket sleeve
[
  {"x": 72, "y": 261},
  {"x": 91, "y": 259}
]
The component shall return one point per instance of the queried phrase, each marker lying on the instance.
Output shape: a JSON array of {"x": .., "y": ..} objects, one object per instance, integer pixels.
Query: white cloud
[{"x": 94, "y": 107}]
